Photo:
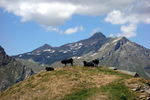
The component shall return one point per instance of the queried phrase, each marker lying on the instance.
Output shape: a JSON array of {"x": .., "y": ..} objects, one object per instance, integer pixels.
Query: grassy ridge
[{"x": 72, "y": 83}]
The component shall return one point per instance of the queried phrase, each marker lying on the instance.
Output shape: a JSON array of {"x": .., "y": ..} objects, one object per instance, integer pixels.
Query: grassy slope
[{"x": 72, "y": 83}]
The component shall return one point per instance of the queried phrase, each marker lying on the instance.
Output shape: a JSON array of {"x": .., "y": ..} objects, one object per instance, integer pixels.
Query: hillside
[
  {"x": 11, "y": 71},
  {"x": 35, "y": 66},
  {"x": 79, "y": 83}
]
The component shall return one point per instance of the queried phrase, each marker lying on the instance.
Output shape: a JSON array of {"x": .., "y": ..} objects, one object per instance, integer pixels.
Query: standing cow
[
  {"x": 93, "y": 63},
  {"x": 88, "y": 64},
  {"x": 96, "y": 62},
  {"x": 67, "y": 61},
  {"x": 49, "y": 68}
]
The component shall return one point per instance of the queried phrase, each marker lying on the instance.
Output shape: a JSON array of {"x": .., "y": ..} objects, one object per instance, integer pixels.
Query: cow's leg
[{"x": 71, "y": 63}]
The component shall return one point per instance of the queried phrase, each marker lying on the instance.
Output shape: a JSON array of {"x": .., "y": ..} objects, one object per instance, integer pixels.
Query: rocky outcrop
[
  {"x": 11, "y": 71},
  {"x": 140, "y": 86}
]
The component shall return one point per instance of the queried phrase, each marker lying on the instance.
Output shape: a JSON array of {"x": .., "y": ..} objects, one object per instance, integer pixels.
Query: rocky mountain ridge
[
  {"x": 116, "y": 52},
  {"x": 47, "y": 54}
]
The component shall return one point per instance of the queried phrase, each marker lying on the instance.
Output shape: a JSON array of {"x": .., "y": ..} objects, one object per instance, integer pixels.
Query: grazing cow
[
  {"x": 49, "y": 68},
  {"x": 96, "y": 62},
  {"x": 88, "y": 64},
  {"x": 66, "y": 61}
]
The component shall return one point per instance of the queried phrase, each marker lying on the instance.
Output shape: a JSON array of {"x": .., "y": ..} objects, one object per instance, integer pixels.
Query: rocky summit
[
  {"x": 116, "y": 52},
  {"x": 11, "y": 71}
]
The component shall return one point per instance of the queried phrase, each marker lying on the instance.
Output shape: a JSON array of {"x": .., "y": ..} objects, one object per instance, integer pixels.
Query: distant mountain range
[
  {"x": 47, "y": 54},
  {"x": 117, "y": 52},
  {"x": 11, "y": 71}
]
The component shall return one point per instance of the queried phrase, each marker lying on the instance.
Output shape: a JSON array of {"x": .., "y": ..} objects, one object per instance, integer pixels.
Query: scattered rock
[
  {"x": 140, "y": 86},
  {"x": 142, "y": 96},
  {"x": 142, "y": 91},
  {"x": 148, "y": 98},
  {"x": 148, "y": 91},
  {"x": 134, "y": 89}
]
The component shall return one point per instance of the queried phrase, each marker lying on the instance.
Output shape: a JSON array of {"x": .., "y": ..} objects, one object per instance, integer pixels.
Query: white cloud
[
  {"x": 57, "y": 12},
  {"x": 118, "y": 17},
  {"x": 112, "y": 35},
  {"x": 49, "y": 14},
  {"x": 138, "y": 12},
  {"x": 52, "y": 13},
  {"x": 53, "y": 29},
  {"x": 115, "y": 17},
  {"x": 68, "y": 31},
  {"x": 73, "y": 30},
  {"x": 128, "y": 31}
]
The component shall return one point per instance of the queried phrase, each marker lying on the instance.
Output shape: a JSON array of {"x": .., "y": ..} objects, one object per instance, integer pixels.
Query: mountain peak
[
  {"x": 98, "y": 35},
  {"x": 43, "y": 47},
  {"x": 1, "y": 49},
  {"x": 124, "y": 39},
  {"x": 46, "y": 46}
]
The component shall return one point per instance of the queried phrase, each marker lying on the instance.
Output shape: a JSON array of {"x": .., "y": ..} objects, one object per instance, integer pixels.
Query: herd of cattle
[
  {"x": 93, "y": 63},
  {"x": 85, "y": 63}
]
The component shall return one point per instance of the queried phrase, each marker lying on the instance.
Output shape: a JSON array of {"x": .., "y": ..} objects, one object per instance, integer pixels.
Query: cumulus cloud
[
  {"x": 138, "y": 12},
  {"x": 73, "y": 30},
  {"x": 52, "y": 13},
  {"x": 128, "y": 31},
  {"x": 53, "y": 29},
  {"x": 68, "y": 31},
  {"x": 118, "y": 17},
  {"x": 48, "y": 14},
  {"x": 57, "y": 12}
]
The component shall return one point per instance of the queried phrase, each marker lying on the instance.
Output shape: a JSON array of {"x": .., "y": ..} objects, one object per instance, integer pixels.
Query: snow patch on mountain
[
  {"x": 94, "y": 54},
  {"x": 75, "y": 46},
  {"x": 29, "y": 53},
  {"x": 79, "y": 57},
  {"x": 49, "y": 50}
]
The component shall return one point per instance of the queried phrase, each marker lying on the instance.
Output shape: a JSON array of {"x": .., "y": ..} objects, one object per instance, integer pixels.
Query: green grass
[
  {"x": 82, "y": 94},
  {"x": 99, "y": 70},
  {"x": 118, "y": 91},
  {"x": 30, "y": 85},
  {"x": 59, "y": 72},
  {"x": 115, "y": 91},
  {"x": 112, "y": 72}
]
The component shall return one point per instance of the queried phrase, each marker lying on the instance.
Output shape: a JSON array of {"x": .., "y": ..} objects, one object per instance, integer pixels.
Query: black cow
[
  {"x": 96, "y": 62},
  {"x": 66, "y": 61},
  {"x": 49, "y": 68},
  {"x": 88, "y": 64}
]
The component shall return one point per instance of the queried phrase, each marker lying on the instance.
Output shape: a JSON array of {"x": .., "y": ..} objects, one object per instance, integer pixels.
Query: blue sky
[{"x": 22, "y": 30}]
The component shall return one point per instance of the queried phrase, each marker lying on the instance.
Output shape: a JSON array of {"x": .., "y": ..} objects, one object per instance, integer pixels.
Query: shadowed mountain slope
[{"x": 11, "y": 71}]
